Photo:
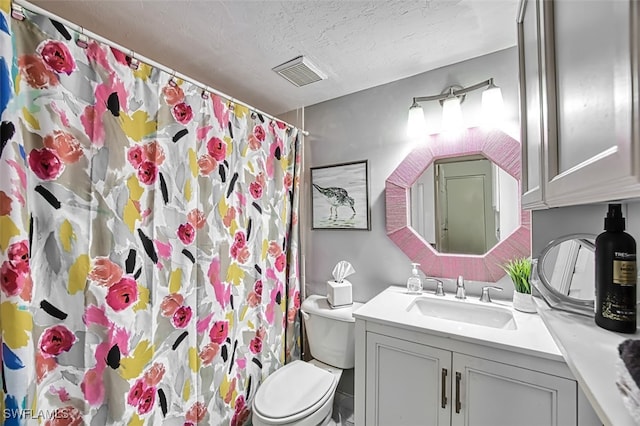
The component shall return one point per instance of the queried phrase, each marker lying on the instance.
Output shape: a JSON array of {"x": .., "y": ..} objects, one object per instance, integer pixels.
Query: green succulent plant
[{"x": 519, "y": 269}]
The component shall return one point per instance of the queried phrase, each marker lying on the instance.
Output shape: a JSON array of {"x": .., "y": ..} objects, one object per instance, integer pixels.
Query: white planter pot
[{"x": 524, "y": 302}]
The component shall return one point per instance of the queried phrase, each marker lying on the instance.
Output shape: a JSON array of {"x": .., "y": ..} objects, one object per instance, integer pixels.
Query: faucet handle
[
  {"x": 485, "y": 292},
  {"x": 439, "y": 285}
]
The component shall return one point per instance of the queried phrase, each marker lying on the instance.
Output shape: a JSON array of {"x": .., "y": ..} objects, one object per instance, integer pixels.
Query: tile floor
[{"x": 343, "y": 409}]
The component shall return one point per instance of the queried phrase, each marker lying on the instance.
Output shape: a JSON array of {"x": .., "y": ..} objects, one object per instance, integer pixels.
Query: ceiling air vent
[{"x": 300, "y": 71}]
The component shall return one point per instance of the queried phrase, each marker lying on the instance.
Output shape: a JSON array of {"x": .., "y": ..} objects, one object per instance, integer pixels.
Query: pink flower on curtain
[
  {"x": 241, "y": 413},
  {"x": 196, "y": 412},
  {"x": 255, "y": 345},
  {"x": 92, "y": 125},
  {"x": 154, "y": 375},
  {"x": 219, "y": 331},
  {"x": 253, "y": 299},
  {"x": 259, "y": 133},
  {"x": 34, "y": 71},
  {"x": 256, "y": 190},
  {"x": 97, "y": 53},
  {"x": 186, "y": 233},
  {"x": 208, "y": 353},
  {"x": 135, "y": 393},
  {"x": 135, "y": 156},
  {"x": 217, "y": 148},
  {"x": 281, "y": 262},
  {"x": 122, "y": 294},
  {"x": 181, "y": 317},
  {"x": 119, "y": 56},
  {"x": 207, "y": 164},
  {"x": 105, "y": 272},
  {"x": 18, "y": 254},
  {"x": 12, "y": 281},
  {"x": 288, "y": 181},
  {"x": 240, "y": 239},
  {"x": 274, "y": 249},
  {"x": 92, "y": 386},
  {"x": 57, "y": 56},
  {"x": 147, "y": 399},
  {"x": 154, "y": 152},
  {"x": 182, "y": 112},
  {"x": 147, "y": 172},
  {"x": 65, "y": 416},
  {"x": 257, "y": 287},
  {"x": 65, "y": 145},
  {"x": 44, "y": 365},
  {"x": 45, "y": 163},
  {"x": 229, "y": 217},
  {"x": 173, "y": 94},
  {"x": 197, "y": 218},
  {"x": 170, "y": 304},
  {"x": 55, "y": 340}
]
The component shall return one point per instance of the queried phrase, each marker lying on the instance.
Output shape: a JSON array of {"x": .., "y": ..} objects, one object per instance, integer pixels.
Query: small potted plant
[{"x": 519, "y": 270}]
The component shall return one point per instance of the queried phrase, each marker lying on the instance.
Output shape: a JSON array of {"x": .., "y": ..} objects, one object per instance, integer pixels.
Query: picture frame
[{"x": 340, "y": 196}]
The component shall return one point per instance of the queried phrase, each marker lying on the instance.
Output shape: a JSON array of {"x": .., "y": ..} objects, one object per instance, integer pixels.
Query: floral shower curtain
[{"x": 148, "y": 239}]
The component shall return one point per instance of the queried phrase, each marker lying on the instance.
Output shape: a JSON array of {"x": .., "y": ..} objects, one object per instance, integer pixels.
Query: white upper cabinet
[
  {"x": 529, "y": 39},
  {"x": 588, "y": 113}
]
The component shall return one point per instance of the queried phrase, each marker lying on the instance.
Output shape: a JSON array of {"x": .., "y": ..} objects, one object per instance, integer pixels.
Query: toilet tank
[{"x": 330, "y": 332}]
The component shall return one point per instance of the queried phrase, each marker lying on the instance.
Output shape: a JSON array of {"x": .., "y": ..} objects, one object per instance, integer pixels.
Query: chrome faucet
[
  {"x": 460, "y": 291},
  {"x": 439, "y": 286},
  {"x": 485, "y": 293}
]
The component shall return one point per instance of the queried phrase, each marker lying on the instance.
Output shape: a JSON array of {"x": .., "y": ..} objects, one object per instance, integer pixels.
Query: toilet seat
[{"x": 313, "y": 387}]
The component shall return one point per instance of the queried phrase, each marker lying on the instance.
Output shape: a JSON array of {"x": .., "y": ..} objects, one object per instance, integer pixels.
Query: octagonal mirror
[{"x": 453, "y": 205}]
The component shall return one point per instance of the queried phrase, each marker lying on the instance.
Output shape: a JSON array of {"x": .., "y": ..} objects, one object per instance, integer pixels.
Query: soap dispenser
[{"x": 414, "y": 282}]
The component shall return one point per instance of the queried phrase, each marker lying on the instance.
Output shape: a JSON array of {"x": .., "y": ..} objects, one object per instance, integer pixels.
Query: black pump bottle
[{"x": 616, "y": 275}]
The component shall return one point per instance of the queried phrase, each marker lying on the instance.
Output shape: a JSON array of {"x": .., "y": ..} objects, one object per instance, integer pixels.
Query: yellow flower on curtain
[
  {"x": 138, "y": 125},
  {"x": 16, "y": 325},
  {"x": 132, "y": 366},
  {"x": 8, "y": 230}
]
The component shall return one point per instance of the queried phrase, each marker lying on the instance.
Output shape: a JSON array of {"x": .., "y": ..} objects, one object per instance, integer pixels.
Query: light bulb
[
  {"x": 452, "y": 115},
  {"x": 416, "y": 126},
  {"x": 492, "y": 106}
]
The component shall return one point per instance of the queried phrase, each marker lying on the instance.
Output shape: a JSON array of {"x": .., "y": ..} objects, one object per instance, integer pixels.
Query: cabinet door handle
[
  {"x": 444, "y": 388},
  {"x": 458, "y": 403}
]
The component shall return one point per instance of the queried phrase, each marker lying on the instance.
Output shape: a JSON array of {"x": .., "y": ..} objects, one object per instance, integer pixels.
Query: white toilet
[{"x": 301, "y": 393}]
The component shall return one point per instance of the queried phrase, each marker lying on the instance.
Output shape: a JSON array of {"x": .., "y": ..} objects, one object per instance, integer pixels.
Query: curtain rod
[{"x": 37, "y": 9}]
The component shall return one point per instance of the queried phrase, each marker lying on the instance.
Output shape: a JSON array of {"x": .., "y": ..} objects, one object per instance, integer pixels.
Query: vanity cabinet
[
  {"x": 579, "y": 101},
  {"x": 415, "y": 384}
]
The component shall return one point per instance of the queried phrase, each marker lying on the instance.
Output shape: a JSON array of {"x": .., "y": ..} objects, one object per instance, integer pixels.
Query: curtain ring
[{"x": 82, "y": 41}]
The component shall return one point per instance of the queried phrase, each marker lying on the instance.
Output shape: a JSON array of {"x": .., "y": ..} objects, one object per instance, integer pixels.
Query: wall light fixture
[{"x": 451, "y": 98}]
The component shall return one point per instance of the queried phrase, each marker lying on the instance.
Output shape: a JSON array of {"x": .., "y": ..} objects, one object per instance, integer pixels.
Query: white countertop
[
  {"x": 591, "y": 354},
  {"x": 531, "y": 336}
]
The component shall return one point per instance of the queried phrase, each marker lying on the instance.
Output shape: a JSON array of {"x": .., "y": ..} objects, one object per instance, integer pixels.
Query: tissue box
[{"x": 339, "y": 294}]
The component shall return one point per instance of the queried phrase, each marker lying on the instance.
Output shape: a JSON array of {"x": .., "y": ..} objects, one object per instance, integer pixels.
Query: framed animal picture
[{"x": 340, "y": 196}]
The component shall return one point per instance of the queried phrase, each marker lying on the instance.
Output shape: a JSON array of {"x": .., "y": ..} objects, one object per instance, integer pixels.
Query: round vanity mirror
[
  {"x": 565, "y": 273},
  {"x": 464, "y": 204}
]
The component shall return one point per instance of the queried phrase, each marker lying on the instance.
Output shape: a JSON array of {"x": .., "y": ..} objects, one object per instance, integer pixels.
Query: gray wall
[
  {"x": 552, "y": 223},
  {"x": 371, "y": 125}
]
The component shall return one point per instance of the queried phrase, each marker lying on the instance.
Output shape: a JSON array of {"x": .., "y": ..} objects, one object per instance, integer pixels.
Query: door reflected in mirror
[
  {"x": 569, "y": 268},
  {"x": 464, "y": 205}
]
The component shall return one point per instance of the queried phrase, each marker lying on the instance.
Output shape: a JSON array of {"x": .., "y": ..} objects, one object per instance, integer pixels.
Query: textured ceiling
[{"x": 233, "y": 45}]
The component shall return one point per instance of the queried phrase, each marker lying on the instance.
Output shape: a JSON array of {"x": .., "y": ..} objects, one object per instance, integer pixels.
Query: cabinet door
[
  {"x": 487, "y": 393},
  {"x": 529, "y": 54},
  {"x": 592, "y": 143},
  {"x": 407, "y": 384}
]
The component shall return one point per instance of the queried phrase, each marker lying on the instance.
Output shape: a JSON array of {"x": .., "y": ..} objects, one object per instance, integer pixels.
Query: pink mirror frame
[{"x": 498, "y": 147}]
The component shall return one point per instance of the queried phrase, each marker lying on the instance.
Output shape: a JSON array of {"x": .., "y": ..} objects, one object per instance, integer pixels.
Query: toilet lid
[{"x": 293, "y": 389}]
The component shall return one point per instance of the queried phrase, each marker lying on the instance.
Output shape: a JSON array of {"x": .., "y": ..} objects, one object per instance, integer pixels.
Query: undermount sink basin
[{"x": 464, "y": 311}]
